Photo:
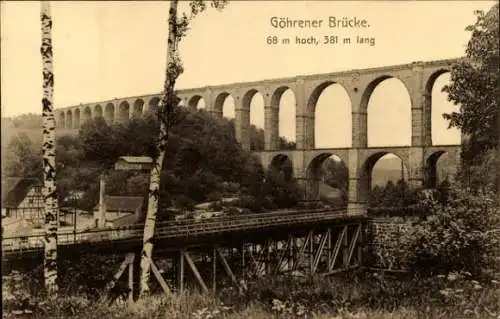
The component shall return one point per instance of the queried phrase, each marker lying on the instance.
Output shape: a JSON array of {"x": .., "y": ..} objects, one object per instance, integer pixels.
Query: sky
[{"x": 105, "y": 50}]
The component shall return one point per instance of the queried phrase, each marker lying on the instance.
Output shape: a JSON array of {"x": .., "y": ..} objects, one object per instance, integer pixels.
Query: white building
[
  {"x": 121, "y": 209},
  {"x": 22, "y": 198}
]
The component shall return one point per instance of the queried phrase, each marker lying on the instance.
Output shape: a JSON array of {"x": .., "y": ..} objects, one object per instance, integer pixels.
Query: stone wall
[{"x": 384, "y": 248}]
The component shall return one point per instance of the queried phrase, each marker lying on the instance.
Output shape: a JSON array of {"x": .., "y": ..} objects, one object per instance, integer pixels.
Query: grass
[{"x": 355, "y": 295}]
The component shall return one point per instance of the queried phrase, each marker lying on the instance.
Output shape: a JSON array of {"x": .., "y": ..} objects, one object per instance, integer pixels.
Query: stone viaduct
[{"x": 420, "y": 157}]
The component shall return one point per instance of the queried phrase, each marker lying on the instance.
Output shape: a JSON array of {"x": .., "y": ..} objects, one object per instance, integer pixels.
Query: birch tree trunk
[
  {"x": 49, "y": 153},
  {"x": 166, "y": 115},
  {"x": 166, "y": 104}
]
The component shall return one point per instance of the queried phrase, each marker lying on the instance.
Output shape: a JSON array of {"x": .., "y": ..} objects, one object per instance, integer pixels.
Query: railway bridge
[
  {"x": 419, "y": 158},
  {"x": 232, "y": 248}
]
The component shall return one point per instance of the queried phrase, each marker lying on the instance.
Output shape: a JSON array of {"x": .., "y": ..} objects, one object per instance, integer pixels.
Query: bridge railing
[
  {"x": 171, "y": 229},
  {"x": 34, "y": 242},
  {"x": 240, "y": 224}
]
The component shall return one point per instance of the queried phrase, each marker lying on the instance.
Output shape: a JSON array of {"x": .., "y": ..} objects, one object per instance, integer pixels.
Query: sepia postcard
[{"x": 250, "y": 159}]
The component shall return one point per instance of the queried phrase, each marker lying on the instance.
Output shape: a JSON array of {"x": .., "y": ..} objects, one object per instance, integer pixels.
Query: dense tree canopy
[
  {"x": 257, "y": 140},
  {"x": 392, "y": 195},
  {"x": 203, "y": 162},
  {"x": 335, "y": 174},
  {"x": 22, "y": 157},
  {"x": 474, "y": 85}
]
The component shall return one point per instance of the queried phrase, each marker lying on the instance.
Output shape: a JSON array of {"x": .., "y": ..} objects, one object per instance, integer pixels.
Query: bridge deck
[{"x": 170, "y": 234}]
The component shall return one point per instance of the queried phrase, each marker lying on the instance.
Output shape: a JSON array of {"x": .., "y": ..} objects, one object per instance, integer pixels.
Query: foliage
[
  {"x": 335, "y": 174},
  {"x": 397, "y": 200},
  {"x": 285, "y": 144},
  {"x": 474, "y": 85},
  {"x": 363, "y": 295},
  {"x": 69, "y": 157},
  {"x": 100, "y": 142},
  {"x": 202, "y": 159},
  {"x": 30, "y": 120},
  {"x": 203, "y": 162},
  {"x": 257, "y": 137},
  {"x": 201, "y": 154},
  {"x": 461, "y": 233},
  {"x": 357, "y": 294},
  {"x": 406, "y": 211},
  {"x": 393, "y": 196},
  {"x": 483, "y": 174},
  {"x": 22, "y": 157},
  {"x": 278, "y": 191},
  {"x": 451, "y": 229}
]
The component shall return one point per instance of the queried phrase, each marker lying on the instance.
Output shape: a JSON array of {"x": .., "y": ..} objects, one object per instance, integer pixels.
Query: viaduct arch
[{"x": 419, "y": 158}]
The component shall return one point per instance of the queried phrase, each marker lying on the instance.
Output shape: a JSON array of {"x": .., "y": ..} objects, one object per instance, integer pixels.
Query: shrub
[
  {"x": 460, "y": 234},
  {"x": 253, "y": 204},
  {"x": 394, "y": 195},
  {"x": 408, "y": 211}
]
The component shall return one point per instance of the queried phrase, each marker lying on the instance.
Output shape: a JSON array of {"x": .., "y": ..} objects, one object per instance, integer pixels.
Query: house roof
[
  {"x": 126, "y": 220},
  {"x": 137, "y": 159},
  {"x": 122, "y": 203},
  {"x": 15, "y": 189},
  {"x": 133, "y": 163}
]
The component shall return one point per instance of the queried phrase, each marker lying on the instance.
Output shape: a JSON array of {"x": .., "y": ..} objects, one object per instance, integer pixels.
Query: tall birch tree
[
  {"x": 49, "y": 152},
  {"x": 177, "y": 28}
]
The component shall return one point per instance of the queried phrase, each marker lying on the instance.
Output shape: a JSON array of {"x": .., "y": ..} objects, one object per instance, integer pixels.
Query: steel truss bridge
[{"x": 307, "y": 242}]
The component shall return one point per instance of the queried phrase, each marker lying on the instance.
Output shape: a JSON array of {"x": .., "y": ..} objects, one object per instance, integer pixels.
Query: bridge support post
[
  {"x": 323, "y": 247},
  {"x": 310, "y": 253},
  {"x": 210, "y": 103},
  {"x": 416, "y": 167},
  {"x": 195, "y": 271},
  {"x": 267, "y": 258},
  {"x": 243, "y": 250},
  {"x": 159, "y": 277},
  {"x": 421, "y": 134},
  {"x": 308, "y": 185},
  {"x": 358, "y": 185},
  {"x": 293, "y": 253},
  {"x": 361, "y": 243},
  {"x": 359, "y": 128},
  {"x": 241, "y": 122},
  {"x": 128, "y": 262},
  {"x": 304, "y": 117},
  {"x": 228, "y": 270},
  {"x": 421, "y": 96},
  {"x": 180, "y": 271},
  {"x": 214, "y": 269},
  {"x": 271, "y": 126},
  {"x": 304, "y": 131},
  {"x": 131, "y": 280}
]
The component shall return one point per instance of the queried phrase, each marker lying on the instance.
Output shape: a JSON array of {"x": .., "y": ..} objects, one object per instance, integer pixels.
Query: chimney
[{"x": 101, "y": 216}]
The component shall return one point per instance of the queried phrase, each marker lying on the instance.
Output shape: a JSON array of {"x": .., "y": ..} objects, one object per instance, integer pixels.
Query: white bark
[
  {"x": 49, "y": 152},
  {"x": 154, "y": 184}
]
